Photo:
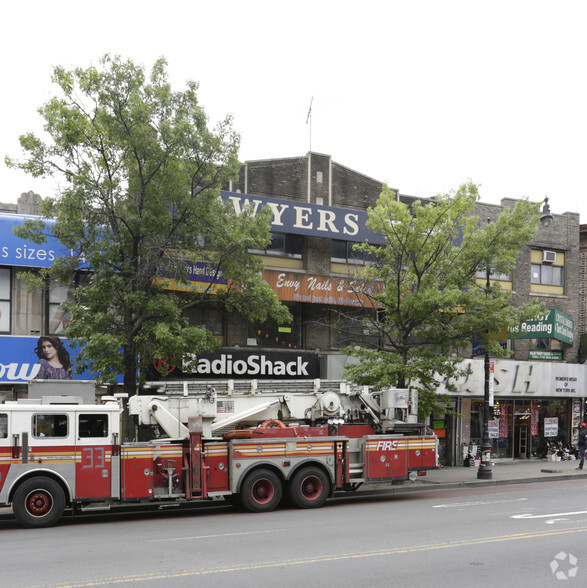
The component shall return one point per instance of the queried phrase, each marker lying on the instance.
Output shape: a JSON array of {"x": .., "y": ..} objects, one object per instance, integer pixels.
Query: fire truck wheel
[
  {"x": 38, "y": 502},
  {"x": 309, "y": 488},
  {"x": 261, "y": 491}
]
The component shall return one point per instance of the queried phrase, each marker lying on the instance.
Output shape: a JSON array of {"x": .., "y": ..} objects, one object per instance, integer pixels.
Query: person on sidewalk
[{"x": 581, "y": 444}]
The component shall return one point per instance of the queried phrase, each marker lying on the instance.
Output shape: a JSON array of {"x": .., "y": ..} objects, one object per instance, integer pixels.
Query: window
[
  {"x": 482, "y": 274},
  {"x": 57, "y": 294},
  {"x": 208, "y": 317},
  {"x": 345, "y": 252},
  {"x": 50, "y": 425},
  {"x": 56, "y": 316},
  {"x": 3, "y": 425},
  {"x": 550, "y": 275},
  {"x": 5, "y": 300},
  {"x": 272, "y": 334},
  {"x": 93, "y": 425},
  {"x": 353, "y": 327},
  {"x": 545, "y": 344},
  {"x": 284, "y": 245}
]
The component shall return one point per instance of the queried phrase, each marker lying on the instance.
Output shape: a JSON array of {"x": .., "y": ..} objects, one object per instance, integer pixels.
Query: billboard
[{"x": 20, "y": 362}]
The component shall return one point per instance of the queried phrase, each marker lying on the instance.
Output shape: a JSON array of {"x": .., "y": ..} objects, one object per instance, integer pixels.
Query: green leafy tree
[
  {"x": 431, "y": 299},
  {"x": 141, "y": 174}
]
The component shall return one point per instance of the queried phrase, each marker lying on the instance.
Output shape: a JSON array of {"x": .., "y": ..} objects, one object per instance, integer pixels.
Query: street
[{"x": 535, "y": 534}]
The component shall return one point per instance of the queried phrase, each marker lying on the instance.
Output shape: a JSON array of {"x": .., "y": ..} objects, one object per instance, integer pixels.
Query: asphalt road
[{"x": 488, "y": 536}]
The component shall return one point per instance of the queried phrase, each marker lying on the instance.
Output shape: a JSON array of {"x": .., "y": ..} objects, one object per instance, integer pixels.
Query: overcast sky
[{"x": 422, "y": 95}]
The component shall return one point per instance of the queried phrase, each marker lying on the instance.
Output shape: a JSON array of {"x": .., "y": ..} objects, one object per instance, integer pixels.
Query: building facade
[{"x": 319, "y": 212}]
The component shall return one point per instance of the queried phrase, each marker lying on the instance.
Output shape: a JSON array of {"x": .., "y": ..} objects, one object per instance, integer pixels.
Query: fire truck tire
[
  {"x": 38, "y": 502},
  {"x": 261, "y": 491},
  {"x": 309, "y": 488}
]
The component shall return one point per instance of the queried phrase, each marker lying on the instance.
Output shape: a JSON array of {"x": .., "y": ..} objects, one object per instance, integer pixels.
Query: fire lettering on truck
[{"x": 387, "y": 445}]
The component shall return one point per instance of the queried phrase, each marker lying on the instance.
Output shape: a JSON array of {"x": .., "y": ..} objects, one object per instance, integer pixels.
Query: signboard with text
[
  {"x": 316, "y": 289},
  {"x": 553, "y": 324}
]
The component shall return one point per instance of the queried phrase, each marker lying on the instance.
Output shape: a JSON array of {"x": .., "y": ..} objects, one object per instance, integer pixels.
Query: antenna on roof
[{"x": 309, "y": 120}]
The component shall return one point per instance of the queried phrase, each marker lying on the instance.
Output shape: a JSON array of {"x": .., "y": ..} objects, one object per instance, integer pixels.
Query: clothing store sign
[
  {"x": 19, "y": 363},
  {"x": 551, "y": 427},
  {"x": 520, "y": 378},
  {"x": 25, "y": 253}
]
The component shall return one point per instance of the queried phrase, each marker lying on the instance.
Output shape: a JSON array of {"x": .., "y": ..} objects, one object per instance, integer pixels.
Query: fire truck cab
[{"x": 54, "y": 454}]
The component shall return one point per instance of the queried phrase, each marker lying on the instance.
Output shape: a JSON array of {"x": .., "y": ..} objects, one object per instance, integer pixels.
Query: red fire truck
[{"x": 253, "y": 442}]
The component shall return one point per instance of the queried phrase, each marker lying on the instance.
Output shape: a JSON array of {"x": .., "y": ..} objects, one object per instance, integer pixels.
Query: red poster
[
  {"x": 504, "y": 421},
  {"x": 534, "y": 418}
]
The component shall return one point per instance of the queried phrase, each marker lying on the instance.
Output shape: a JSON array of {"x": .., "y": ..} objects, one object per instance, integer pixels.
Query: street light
[
  {"x": 485, "y": 472},
  {"x": 546, "y": 218}
]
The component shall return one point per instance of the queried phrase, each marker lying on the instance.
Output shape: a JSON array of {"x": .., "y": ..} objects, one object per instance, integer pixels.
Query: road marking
[
  {"x": 215, "y": 536},
  {"x": 477, "y": 503},
  {"x": 159, "y": 576},
  {"x": 548, "y": 516}
]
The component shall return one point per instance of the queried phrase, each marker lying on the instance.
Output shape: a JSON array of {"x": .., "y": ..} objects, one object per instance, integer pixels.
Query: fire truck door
[{"x": 93, "y": 464}]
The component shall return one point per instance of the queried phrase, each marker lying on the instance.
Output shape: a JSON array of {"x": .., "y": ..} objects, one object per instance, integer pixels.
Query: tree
[
  {"x": 432, "y": 301},
  {"x": 140, "y": 205}
]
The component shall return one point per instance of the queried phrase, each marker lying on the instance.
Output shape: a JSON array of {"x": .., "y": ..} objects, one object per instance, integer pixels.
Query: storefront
[
  {"x": 536, "y": 406},
  {"x": 523, "y": 429}
]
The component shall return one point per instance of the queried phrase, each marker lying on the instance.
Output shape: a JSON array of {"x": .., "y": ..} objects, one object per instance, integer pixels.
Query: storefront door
[{"x": 521, "y": 438}]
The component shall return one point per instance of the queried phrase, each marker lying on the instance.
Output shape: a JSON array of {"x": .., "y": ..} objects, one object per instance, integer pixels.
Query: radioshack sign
[{"x": 243, "y": 364}]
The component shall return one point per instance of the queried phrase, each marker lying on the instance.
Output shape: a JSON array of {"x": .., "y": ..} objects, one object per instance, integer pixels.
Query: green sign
[
  {"x": 553, "y": 324},
  {"x": 546, "y": 355}
]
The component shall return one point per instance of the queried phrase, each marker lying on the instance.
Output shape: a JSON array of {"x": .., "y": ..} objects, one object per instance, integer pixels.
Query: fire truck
[{"x": 252, "y": 443}]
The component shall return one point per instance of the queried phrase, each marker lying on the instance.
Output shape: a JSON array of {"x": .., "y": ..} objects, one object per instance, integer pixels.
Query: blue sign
[
  {"x": 23, "y": 253},
  {"x": 19, "y": 362},
  {"x": 304, "y": 218}
]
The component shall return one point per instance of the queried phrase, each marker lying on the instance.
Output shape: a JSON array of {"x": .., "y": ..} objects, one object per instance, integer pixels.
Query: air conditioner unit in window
[{"x": 548, "y": 256}]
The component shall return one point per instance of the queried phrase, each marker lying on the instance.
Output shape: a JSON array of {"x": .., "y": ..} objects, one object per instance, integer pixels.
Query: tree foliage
[
  {"x": 139, "y": 201},
  {"x": 432, "y": 301}
]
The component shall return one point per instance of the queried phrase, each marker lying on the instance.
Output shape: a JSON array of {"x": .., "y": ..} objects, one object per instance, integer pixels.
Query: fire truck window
[
  {"x": 93, "y": 425},
  {"x": 3, "y": 426},
  {"x": 50, "y": 425}
]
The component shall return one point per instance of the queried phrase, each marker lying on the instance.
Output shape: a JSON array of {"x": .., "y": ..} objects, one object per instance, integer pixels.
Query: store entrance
[{"x": 521, "y": 438}]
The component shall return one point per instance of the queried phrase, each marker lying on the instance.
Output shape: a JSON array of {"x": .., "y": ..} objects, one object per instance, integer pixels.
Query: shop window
[
  {"x": 50, "y": 425},
  {"x": 272, "y": 334},
  {"x": 346, "y": 252},
  {"x": 283, "y": 245},
  {"x": 5, "y": 289}
]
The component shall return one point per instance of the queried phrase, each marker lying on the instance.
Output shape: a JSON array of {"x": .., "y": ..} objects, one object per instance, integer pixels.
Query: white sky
[{"x": 423, "y": 95}]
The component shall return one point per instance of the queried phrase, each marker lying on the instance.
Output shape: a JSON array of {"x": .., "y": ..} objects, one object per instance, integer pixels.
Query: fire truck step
[{"x": 94, "y": 507}]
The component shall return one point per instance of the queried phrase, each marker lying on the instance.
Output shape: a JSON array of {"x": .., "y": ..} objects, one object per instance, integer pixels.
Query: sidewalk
[{"x": 506, "y": 472}]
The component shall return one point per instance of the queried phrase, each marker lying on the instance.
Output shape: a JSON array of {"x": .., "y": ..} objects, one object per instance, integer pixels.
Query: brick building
[{"x": 319, "y": 212}]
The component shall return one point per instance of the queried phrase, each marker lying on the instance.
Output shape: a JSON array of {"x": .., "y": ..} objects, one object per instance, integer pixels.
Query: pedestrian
[{"x": 581, "y": 444}]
